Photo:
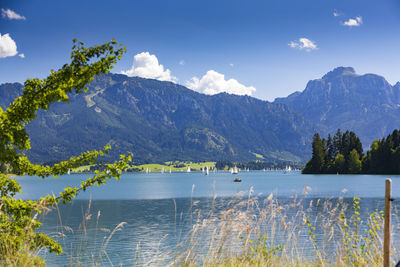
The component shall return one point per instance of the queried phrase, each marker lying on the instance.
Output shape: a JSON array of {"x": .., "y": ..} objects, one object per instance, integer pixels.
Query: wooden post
[{"x": 386, "y": 240}]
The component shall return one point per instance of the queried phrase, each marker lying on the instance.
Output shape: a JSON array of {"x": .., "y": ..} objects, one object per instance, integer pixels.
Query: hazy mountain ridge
[
  {"x": 161, "y": 121},
  {"x": 366, "y": 104}
]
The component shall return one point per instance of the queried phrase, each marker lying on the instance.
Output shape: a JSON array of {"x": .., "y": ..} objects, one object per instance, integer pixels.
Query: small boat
[
  {"x": 69, "y": 171},
  {"x": 147, "y": 170},
  {"x": 188, "y": 169},
  {"x": 170, "y": 171},
  {"x": 207, "y": 172},
  {"x": 162, "y": 170},
  {"x": 237, "y": 180}
]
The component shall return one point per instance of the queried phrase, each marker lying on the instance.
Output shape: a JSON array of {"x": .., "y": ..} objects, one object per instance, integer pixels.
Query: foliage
[
  {"x": 343, "y": 154},
  {"x": 259, "y": 246},
  {"x": 19, "y": 238},
  {"x": 339, "y": 163},
  {"x": 354, "y": 162},
  {"x": 357, "y": 241},
  {"x": 317, "y": 162},
  {"x": 384, "y": 155}
]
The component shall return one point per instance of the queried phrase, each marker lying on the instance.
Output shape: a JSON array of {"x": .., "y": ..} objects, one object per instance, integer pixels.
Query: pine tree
[
  {"x": 337, "y": 142},
  {"x": 317, "y": 163}
]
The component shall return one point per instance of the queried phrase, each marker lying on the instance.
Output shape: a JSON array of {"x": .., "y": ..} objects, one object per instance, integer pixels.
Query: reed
[
  {"x": 244, "y": 230},
  {"x": 270, "y": 232}
]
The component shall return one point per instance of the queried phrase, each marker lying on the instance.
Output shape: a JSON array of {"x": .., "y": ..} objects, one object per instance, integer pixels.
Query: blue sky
[{"x": 246, "y": 41}]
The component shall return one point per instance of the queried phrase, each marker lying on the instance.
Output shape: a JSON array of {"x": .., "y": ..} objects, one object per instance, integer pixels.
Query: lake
[{"x": 158, "y": 209}]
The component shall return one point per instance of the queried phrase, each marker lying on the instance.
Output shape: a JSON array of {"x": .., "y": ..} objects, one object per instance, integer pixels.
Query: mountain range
[
  {"x": 161, "y": 121},
  {"x": 366, "y": 104}
]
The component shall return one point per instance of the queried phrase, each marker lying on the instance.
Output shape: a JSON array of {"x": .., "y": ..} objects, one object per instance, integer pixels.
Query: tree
[
  {"x": 354, "y": 162},
  {"x": 384, "y": 155},
  {"x": 337, "y": 142},
  {"x": 368, "y": 162},
  {"x": 317, "y": 163},
  {"x": 331, "y": 148},
  {"x": 18, "y": 224},
  {"x": 355, "y": 143},
  {"x": 396, "y": 160},
  {"x": 382, "y": 158},
  {"x": 339, "y": 163},
  {"x": 332, "y": 155}
]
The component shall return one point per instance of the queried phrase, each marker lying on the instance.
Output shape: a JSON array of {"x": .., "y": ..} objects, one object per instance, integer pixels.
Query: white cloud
[
  {"x": 336, "y": 13},
  {"x": 303, "y": 44},
  {"x": 182, "y": 62},
  {"x": 231, "y": 64},
  {"x": 21, "y": 55},
  {"x": 353, "y": 22},
  {"x": 9, "y": 14},
  {"x": 146, "y": 65},
  {"x": 213, "y": 83},
  {"x": 8, "y": 48}
]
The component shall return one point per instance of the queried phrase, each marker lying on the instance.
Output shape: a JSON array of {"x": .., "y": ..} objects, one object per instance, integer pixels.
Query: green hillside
[{"x": 162, "y": 121}]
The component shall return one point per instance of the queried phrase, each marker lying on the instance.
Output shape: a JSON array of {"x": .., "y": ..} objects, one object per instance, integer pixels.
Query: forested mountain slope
[{"x": 160, "y": 121}]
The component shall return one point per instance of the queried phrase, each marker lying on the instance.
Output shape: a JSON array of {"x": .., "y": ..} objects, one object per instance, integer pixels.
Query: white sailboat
[
  {"x": 162, "y": 170},
  {"x": 207, "y": 170},
  {"x": 170, "y": 171},
  {"x": 188, "y": 169},
  {"x": 235, "y": 170},
  {"x": 147, "y": 170},
  {"x": 69, "y": 171}
]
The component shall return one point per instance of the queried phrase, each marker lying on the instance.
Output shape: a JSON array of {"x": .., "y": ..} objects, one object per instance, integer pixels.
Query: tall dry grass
[
  {"x": 246, "y": 231},
  {"x": 269, "y": 232},
  {"x": 90, "y": 240}
]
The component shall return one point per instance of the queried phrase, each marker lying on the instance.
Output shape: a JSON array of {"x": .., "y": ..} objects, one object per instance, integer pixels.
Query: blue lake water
[
  {"x": 157, "y": 208},
  {"x": 183, "y": 185}
]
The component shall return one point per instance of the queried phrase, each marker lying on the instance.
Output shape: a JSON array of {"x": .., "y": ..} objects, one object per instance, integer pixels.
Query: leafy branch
[{"x": 18, "y": 218}]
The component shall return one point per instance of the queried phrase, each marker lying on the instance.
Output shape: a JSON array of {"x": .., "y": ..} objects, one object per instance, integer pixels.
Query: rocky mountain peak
[
  {"x": 339, "y": 71},
  {"x": 366, "y": 104}
]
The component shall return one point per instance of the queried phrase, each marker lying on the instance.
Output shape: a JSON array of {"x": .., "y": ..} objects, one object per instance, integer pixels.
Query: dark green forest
[{"x": 343, "y": 154}]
